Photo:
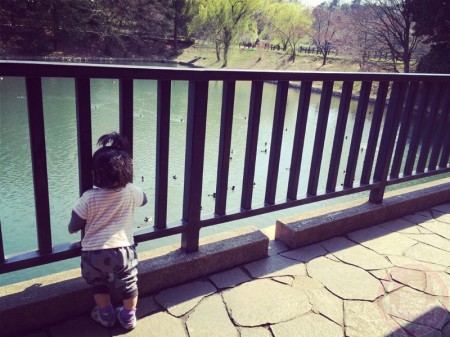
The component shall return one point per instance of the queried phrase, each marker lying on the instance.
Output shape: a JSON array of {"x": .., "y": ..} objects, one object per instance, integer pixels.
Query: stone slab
[
  {"x": 414, "y": 306},
  {"x": 328, "y": 305},
  {"x": 437, "y": 284},
  {"x": 265, "y": 301},
  {"x": 412, "y": 278},
  {"x": 400, "y": 226},
  {"x": 434, "y": 240},
  {"x": 275, "y": 266},
  {"x": 408, "y": 263},
  {"x": 310, "y": 325},
  {"x": 210, "y": 318},
  {"x": 345, "y": 281},
  {"x": 382, "y": 241},
  {"x": 229, "y": 278},
  {"x": 255, "y": 332},
  {"x": 417, "y": 330},
  {"x": 181, "y": 299},
  {"x": 155, "y": 325},
  {"x": 426, "y": 253},
  {"x": 437, "y": 227},
  {"x": 305, "y": 254},
  {"x": 365, "y": 319},
  {"x": 80, "y": 326},
  {"x": 146, "y": 306},
  {"x": 355, "y": 254},
  {"x": 323, "y": 224}
]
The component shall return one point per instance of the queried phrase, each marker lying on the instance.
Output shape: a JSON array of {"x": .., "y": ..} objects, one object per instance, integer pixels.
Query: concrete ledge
[
  {"x": 302, "y": 230},
  {"x": 42, "y": 301}
]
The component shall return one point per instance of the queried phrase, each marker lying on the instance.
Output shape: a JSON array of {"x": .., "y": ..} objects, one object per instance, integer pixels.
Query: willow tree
[
  {"x": 288, "y": 23},
  {"x": 221, "y": 21}
]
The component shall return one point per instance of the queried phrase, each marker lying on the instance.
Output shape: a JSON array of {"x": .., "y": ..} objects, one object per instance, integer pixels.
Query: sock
[
  {"x": 127, "y": 315},
  {"x": 107, "y": 312}
]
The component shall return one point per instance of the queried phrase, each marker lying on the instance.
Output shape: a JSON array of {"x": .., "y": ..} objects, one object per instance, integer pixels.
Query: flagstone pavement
[{"x": 392, "y": 279}]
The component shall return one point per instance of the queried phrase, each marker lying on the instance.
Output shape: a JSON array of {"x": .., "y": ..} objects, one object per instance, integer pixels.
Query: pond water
[{"x": 17, "y": 213}]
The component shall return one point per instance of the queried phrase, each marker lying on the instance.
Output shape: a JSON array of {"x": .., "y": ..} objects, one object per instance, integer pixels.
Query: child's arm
[{"x": 76, "y": 223}]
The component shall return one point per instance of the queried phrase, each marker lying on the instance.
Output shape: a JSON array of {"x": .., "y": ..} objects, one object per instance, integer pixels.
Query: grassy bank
[{"x": 263, "y": 59}]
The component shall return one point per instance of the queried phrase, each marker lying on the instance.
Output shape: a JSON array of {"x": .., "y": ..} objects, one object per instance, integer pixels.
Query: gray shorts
[{"x": 98, "y": 265}]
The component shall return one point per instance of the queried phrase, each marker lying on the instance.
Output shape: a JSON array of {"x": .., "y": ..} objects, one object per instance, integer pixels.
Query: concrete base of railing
[
  {"x": 32, "y": 304},
  {"x": 308, "y": 228}
]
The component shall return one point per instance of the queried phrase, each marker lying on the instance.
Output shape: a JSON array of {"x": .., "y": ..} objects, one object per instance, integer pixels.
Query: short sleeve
[{"x": 81, "y": 208}]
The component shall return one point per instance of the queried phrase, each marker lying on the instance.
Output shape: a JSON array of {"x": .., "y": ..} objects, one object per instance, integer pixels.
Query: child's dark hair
[{"x": 112, "y": 165}]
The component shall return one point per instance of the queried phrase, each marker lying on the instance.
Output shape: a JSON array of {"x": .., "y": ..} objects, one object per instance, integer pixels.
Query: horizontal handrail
[{"x": 71, "y": 70}]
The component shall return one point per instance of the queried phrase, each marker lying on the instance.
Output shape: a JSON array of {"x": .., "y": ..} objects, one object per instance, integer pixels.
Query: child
[{"x": 106, "y": 214}]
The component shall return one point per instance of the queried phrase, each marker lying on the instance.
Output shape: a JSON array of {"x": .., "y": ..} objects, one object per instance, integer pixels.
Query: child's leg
[
  {"x": 102, "y": 300},
  {"x": 130, "y": 303},
  {"x": 91, "y": 263},
  {"x": 126, "y": 283}
]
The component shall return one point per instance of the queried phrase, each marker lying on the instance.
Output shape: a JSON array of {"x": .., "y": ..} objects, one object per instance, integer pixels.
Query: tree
[
  {"x": 40, "y": 26},
  {"x": 431, "y": 20},
  {"x": 354, "y": 38},
  {"x": 289, "y": 23},
  {"x": 390, "y": 23},
  {"x": 221, "y": 21},
  {"x": 325, "y": 28}
]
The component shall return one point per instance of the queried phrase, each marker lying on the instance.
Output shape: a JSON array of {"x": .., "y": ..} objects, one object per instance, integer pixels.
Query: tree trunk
[
  {"x": 324, "y": 58},
  {"x": 175, "y": 28},
  {"x": 225, "y": 54},
  {"x": 218, "y": 50},
  {"x": 227, "y": 37}
]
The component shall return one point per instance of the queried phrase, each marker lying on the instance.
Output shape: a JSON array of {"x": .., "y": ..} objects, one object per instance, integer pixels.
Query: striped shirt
[{"x": 109, "y": 216}]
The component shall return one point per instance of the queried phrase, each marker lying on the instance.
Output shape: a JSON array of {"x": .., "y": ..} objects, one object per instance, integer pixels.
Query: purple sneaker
[
  {"x": 107, "y": 319},
  {"x": 129, "y": 323}
]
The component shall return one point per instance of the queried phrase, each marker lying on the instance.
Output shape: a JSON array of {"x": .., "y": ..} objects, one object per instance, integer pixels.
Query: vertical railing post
[
  {"x": 39, "y": 163},
  {"x": 387, "y": 144},
  {"x": 193, "y": 175},
  {"x": 442, "y": 130},
  {"x": 338, "y": 141},
  {"x": 226, "y": 126},
  {"x": 374, "y": 132},
  {"x": 299, "y": 139},
  {"x": 275, "y": 144},
  {"x": 319, "y": 140},
  {"x": 254, "y": 117},
  {"x": 419, "y": 116},
  {"x": 358, "y": 128},
  {"x": 84, "y": 132},
  {"x": 162, "y": 152},
  {"x": 430, "y": 128},
  {"x": 404, "y": 128},
  {"x": 126, "y": 110}
]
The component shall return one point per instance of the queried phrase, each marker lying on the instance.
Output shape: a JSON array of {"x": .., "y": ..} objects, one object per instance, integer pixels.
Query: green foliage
[
  {"x": 222, "y": 21},
  {"x": 288, "y": 24}
]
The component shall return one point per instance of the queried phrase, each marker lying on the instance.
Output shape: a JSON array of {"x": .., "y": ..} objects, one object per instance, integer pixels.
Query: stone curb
[
  {"x": 298, "y": 231},
  {"x": 43, "y": 301}
]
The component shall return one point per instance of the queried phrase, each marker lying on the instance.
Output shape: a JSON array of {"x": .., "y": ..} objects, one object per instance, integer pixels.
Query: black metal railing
[{"x": 414, "y": 107}]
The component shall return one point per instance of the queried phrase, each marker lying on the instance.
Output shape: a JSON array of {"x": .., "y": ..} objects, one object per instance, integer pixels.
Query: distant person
[{"x": 106, "y": 214}]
